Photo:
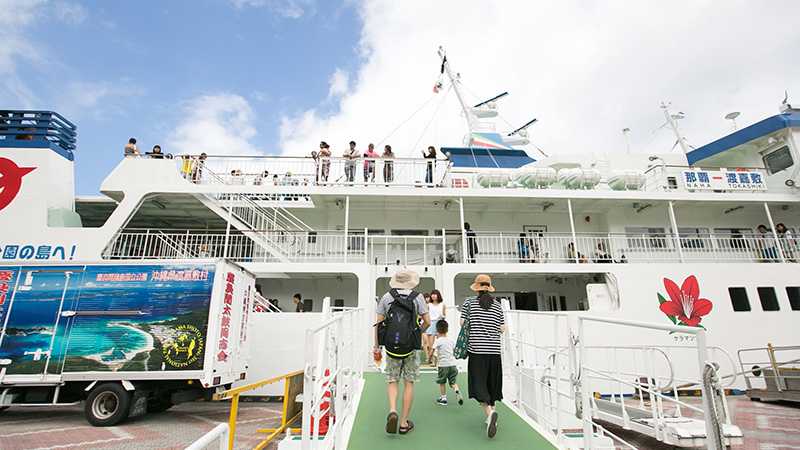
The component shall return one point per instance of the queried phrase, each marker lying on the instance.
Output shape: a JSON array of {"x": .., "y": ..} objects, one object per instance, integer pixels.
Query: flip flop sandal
[
  {"x": 391, "y": 423},
  {"x": 407, "y": 429}
]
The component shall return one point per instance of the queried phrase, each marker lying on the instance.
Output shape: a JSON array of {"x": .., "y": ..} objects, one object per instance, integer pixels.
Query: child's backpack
[{"x": 399, "y": 333}]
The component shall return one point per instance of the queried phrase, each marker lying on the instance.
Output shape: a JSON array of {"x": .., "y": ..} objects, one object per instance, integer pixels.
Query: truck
[{"x": 124, "y": 337}]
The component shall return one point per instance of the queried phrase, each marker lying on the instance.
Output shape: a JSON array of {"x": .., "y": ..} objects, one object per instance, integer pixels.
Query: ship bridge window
[
  {"x": 739, "y": 298},
  {"x": 778, "y": 160},
  {"x": 769, "y": 301},
  {"x": 793, "y": 292}
]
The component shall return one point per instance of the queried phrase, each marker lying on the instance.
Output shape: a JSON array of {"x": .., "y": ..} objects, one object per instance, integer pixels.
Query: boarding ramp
[
  {"x": 559, "y": 375},
  {"x": 771, "y": 373}
]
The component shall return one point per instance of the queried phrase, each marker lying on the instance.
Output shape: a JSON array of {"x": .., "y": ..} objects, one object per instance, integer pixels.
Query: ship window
[
  {"x": 778, "y": 160},
  {"x": 769, "y": 301},
  {"x": 793, "y": 292},
  {"x": 409, "y": 232},
  {"x": 739, "y": 299}
]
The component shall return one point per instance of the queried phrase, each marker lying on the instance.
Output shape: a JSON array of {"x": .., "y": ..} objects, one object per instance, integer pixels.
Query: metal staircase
[{"x": 273, "y": 228}]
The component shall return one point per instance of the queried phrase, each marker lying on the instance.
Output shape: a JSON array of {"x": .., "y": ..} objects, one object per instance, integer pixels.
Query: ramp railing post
[
  {"x": 586, "y": 404},
  {"x": 710, "y": 422}
]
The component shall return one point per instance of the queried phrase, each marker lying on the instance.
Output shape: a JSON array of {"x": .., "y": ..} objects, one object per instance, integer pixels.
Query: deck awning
[
  {"x": 487, "y": 158},
  {"x": 745, "y": 135}
]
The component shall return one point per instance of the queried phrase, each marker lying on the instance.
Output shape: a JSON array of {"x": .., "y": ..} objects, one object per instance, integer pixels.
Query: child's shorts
[{"x": 447, "y": 375}]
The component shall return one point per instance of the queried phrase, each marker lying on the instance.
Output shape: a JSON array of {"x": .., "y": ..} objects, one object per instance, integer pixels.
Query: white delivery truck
[{"x": 124, "y": 337}]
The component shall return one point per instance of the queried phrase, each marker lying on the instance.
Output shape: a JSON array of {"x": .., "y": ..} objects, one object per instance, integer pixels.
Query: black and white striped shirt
[{"x": 484, "y": 326}]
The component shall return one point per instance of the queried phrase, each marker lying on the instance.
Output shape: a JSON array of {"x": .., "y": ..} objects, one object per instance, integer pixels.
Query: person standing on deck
[
  {"x": 399, "y": 334},
  {"x": 131, "y": 149},
  {"x": 369, "y": 163},
  {"x": 350, "y": 156},
  {"x": 431, "y": 155},
  {"x": 297, "y": 299},
  {"x": 324, "y": 157},
  {"x": 388, "y": 165},
  {"x": 484, "y": 367},
  {"x": 472, "y": 243}
]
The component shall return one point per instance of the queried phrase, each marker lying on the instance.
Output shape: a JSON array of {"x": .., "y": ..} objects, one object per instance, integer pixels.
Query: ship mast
[
  {"x": 455, "y": 82},
  {"x": 674, "y": 125}
]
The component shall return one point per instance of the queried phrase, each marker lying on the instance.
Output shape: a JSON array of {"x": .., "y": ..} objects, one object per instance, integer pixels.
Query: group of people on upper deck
[{"x": 351, "y": 156}]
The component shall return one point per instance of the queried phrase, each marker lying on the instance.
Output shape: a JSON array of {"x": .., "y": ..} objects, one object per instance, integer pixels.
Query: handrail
[
  {"x": 253, "y": 386},
  {"x": 218, "y": 432}
]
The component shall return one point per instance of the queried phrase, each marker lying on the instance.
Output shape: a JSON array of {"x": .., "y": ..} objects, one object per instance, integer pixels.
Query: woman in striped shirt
[{"x": 485, "y": 369}]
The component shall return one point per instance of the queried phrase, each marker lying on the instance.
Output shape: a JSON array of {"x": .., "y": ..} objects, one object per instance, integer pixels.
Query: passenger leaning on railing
[
  {"x": 156, "y": 153},
  {"x": 388, "y": 165},
  {"x": 324, "y": 156},
  {"x": 788, "y": 244},
  {"x": 130, "y": 148},
  {"x": 350, "y": 155},
  {"x": 766, "y": 244},
  {"x": 369, "y": 164},
  {"x": 431, "y": 154}
]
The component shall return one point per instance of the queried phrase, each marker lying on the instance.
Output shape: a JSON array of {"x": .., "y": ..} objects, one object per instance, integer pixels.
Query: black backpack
[{"x": 399, "y": 333}]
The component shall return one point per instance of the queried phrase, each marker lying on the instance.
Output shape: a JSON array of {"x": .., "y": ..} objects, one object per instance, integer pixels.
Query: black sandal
[
  {"x": 406, "y": 429},
  {"x": 391, "y": 423}
]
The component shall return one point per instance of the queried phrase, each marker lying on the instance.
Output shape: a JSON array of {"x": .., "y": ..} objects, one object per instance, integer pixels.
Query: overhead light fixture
[{"x": 735, "y": 208}]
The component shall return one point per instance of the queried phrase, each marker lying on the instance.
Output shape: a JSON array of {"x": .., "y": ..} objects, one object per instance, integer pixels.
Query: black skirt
[{"x": 485, "y": 378}]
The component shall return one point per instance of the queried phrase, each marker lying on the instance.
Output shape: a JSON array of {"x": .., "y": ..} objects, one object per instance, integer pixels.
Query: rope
[
  {"x": 435, "y": 113},
  {"x": 407, "y": 119}
]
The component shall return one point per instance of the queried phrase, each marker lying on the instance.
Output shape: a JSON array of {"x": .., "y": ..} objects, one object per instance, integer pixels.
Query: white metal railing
[
  {"x": 334, "y": 374},
  {"x": 772, "y": 368},
  {"x": 304, "y": 171},
  {"x": 261, "y": 304},
  {"x": 332, "y": 246},
  {"x": 218, "y": 433},
  {"x": 556, "y": 373}
]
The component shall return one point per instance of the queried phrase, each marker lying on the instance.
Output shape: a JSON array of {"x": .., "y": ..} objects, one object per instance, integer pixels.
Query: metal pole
[
  {"x": 366, "y": 236},
  {"x": 572, "y": 229},
  {"x": 228, "y": 233},
  {"x": 586, "y": 413},
  {"x": 444, "y": 246},
  {"x": 702, "y": 358},
  {"x": 675, "y": 230},
  {"x": 346, "y": 224},
  {"x": 774, "y": 232},
  {"x": 463, "y": 231}
]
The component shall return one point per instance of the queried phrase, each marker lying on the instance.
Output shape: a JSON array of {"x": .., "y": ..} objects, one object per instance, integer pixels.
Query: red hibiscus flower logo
[
  {"x": 684, "y": 307},
  {"x": 10, "y": 180}
]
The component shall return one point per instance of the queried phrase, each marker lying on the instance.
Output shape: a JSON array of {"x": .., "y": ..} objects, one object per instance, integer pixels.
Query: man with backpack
[{"x": 399, "y": 332}]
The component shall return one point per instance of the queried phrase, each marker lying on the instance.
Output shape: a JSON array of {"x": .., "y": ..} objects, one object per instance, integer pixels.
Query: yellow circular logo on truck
[{"x": 185, "y": 347}]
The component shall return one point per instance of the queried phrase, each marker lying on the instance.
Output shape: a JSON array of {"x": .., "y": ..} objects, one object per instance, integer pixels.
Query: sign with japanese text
[
  {"x": 23, "y": 251},
  {"x": 723, "y": 180},
  {"x": 225, "y": 320}
]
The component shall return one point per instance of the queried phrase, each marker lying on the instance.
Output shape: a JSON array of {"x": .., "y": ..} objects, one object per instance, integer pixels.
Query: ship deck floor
[{"x": 435, "y": 426}]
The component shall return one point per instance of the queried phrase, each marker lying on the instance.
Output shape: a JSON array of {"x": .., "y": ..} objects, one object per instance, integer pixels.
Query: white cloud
[
  {"x": 290, "y": 9},
  {"x": 17, "y": 48},
  {"x": 101, "y": 99},
  {"x": 220, "y": 124},
  {"x": 585, "y": 71},
  {"x": 338, "y": 83},
  {"x": 71, "y": 13}
]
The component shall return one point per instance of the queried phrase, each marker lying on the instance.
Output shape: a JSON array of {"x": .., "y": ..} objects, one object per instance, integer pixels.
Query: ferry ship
[{"x": 636, "y": 245}]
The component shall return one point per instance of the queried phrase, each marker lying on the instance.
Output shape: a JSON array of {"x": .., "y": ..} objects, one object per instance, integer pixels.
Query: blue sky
[
  {"x": 278, "y": 76},
  {"x": 118, "y": 69}
]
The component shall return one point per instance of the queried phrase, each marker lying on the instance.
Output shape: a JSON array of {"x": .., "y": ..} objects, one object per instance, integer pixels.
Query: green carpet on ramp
[{"x": 437, "y": 427}]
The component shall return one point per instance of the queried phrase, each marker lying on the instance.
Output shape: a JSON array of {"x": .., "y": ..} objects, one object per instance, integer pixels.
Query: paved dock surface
[
  {"x": 49, "y": 428},
  {"x": 766, "y": 426}
]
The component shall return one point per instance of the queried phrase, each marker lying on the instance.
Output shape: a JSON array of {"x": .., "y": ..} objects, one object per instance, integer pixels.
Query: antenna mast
[
  {"x": 674, "y": 125},
  {"x": 455, "y": 81}
]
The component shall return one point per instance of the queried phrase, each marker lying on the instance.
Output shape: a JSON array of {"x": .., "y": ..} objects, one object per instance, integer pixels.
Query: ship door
[{"x": 34, "y": 341}]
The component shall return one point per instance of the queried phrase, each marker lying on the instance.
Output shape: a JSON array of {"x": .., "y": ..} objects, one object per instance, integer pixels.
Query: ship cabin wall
[{"x": 47, "y": 190}]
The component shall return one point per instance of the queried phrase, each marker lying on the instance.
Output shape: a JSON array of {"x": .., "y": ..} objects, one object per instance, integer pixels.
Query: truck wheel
[
  {"x": 107, "y": 405},
  {"x": 157, "y": 406}
]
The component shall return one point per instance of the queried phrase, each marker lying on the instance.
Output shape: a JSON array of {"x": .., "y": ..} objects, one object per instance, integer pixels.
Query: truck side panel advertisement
[{"x": 105, "y": 318}]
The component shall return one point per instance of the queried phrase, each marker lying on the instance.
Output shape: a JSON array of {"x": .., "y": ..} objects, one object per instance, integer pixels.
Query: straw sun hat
[
  {"x": 404, "y": 279},
  {"x": 482, "y": 282}
]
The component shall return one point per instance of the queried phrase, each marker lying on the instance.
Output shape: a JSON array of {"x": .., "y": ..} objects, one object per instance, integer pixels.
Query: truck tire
[
  {"x": 107, "y": 405},
  {"x": 157, "y": 406}
]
